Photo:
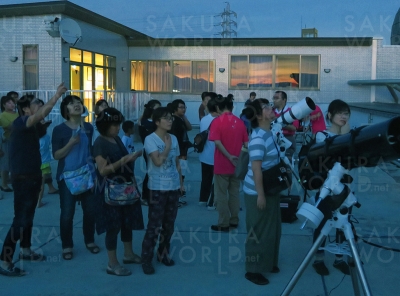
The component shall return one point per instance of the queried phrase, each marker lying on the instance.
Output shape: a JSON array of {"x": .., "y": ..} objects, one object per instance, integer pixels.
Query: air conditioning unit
[{"x": 52, "y": 27}]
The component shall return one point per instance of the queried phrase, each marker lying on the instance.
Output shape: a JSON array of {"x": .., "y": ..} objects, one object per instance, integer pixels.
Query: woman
[
  {"x": 166, "y": 186},
  {"x": 98, "y": 107},
  {"x": 71, "y": 146},
  {"x": 147, "y": 127},
  {"x": 207, "y": 156},
  {"x": 7, "y": 117},
  {"x": 263, "y": 215},
  {"x": 338, "y": 115},
  {"x": 114, "y": 162}
]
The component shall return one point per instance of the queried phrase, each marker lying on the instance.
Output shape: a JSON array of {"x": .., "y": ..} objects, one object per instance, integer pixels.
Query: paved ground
[{"x": 209, "y": 263}]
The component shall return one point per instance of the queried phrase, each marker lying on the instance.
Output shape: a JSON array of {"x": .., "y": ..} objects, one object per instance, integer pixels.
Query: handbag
[
  {"x": 120, "y": 194},
  {"x": 276, "y": 178},
  {"x": 79, "y": 181},
  {"x": 243, "y": 164}
]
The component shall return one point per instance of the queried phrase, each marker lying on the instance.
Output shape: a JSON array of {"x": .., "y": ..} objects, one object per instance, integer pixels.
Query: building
[{"x": 109, "y": 60}]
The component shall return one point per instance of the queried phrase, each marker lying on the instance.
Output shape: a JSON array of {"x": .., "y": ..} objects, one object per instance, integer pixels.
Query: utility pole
[{"x": 227, "y": 23}]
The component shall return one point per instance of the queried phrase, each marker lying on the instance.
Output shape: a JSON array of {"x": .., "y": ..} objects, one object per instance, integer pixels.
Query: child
[
  {"x": 46, "y": 159},
  {"x": 127, "y": 127}
]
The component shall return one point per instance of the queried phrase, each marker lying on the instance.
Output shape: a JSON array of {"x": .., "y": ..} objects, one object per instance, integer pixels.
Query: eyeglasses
[
  {"x": 275, "y": 98},
  {"x": 267, "y": 106},
  {"x": 182, "y": 107},
  {"x": 169, "y": 118},
  {"x": 344, "y": 114}
]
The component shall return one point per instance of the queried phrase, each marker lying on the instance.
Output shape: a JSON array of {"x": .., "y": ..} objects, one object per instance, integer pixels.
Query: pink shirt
[
  {"x": 231, "y": 131},
  {"x": 318, "y": 123}
]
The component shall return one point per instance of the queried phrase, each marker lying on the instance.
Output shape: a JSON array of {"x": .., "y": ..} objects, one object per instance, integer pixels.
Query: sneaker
[
  {"x": 342, "y": 266},
  {"x": 320, "y": 267},
  {"x": 148, "y": 268},
  {"x": 210, "y": 208}
]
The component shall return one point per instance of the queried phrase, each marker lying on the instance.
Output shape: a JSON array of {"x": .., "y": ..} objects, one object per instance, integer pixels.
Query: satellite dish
[{"x": 70, "y": 31}]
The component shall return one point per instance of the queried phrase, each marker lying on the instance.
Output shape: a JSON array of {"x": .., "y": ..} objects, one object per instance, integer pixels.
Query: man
[
  {"x": 205, "y": 97},
  {"x": 180, "y": 127},
  {"x": 26, "y": 175},
  {"x": 229, "y": 135},
  {"x": 251, "y": 99},
  {"x": 289, "y": 131}
]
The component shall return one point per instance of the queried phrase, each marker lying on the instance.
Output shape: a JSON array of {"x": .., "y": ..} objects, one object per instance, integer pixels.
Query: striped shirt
[{"x": 261, "y": 147}]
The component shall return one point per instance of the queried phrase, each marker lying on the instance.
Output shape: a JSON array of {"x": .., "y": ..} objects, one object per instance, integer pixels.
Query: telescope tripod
[{"x": 342, "y": 200}]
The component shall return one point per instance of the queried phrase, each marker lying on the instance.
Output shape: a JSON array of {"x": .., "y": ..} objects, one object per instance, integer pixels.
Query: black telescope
[{"x": 366, "y": 146}]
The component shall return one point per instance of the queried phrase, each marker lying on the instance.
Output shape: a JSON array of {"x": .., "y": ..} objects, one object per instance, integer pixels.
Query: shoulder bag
[
  {"x": 120, "y": 194},
  {"x": 243, "y": 164},
  {"x": 276, "y": 178}
]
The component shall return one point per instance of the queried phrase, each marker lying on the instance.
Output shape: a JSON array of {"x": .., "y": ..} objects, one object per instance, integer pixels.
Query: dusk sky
[{"x": 274, "y": 18}]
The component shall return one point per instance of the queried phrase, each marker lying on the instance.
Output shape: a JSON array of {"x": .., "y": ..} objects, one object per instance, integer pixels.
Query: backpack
[
  {"x": 309, "y": 179},
  {"x": 200, "y": 140}
]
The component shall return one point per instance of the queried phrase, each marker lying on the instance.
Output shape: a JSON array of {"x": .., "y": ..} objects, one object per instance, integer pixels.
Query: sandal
[
  {"x": 67, "y": 254},
  {"x": 94, "y": 249},
  {"x": 118, "y": 270},
  {"x": 134, "y": 259},
  {"x": 12, "y": 271}
]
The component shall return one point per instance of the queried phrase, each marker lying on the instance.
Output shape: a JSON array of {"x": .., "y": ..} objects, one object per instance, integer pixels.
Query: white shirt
[
  {"x": 207, "y": 156},
  {"x": 128, "y": 143}
]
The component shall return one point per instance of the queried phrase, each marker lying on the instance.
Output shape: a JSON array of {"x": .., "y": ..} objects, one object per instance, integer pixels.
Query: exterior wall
[
  {"x": 387, "y": 68},
  {"x": 346, "y": 63},
  {"x": 18, "y": 31},
  {"x": 104, "y": 42}
]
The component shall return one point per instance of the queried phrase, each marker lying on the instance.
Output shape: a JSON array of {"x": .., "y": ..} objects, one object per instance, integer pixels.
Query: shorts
[{"x": 46, "y": 172}]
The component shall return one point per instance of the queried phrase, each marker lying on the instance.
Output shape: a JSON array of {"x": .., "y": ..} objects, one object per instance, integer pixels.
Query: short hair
[
  {"x": 283, "y": 94},
  {"x": 107, "y": 118},
  {"x": 4, "y": 100},
  {"x": 12, "y": 93},
  {"x": 253, "y": 109},
  {"x": 204, "y": 94},
  {"x": 160, "y": 112},
  {"x": 98, "y": 104},
  {"x": 63, "y": 106},
  {"x": 127, "y": 125},
  {"x": 173, "y": 106},
  {"x": 337, "y": 106},
  {"x": 212, "y": 105},
  {"x": 23, "y": 102},
  {"x": 253, "y": 94}
]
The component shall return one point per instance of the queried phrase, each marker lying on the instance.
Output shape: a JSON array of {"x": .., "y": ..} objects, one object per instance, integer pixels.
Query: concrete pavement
[{"x": 210, "y": 263}]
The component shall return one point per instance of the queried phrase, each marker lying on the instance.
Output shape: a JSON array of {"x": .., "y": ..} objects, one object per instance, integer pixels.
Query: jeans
[
  {"x": 26, "y": 194},
  {"x": 207, "y": 175},
  {"x": 67, "y": 205}
]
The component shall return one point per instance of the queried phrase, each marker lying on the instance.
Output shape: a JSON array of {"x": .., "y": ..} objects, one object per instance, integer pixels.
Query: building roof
[
  {"x": 135, "y": 38},
  {"x": 72, "y": 10},
  {"x": 338, "y": 41}
]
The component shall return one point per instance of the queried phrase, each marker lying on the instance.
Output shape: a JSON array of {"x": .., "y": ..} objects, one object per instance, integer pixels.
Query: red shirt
[
  {"x": 317, "y": 124},
  {"x": 296, "y": 123},
  {"x": 231, "y": 131}
]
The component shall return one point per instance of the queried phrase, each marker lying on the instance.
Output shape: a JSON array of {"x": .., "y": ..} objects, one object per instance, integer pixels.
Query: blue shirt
[{"x": 80, "y": 153}]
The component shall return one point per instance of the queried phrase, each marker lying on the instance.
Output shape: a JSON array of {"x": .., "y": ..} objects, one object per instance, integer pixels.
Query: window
[
  {"x": 93, "y": 72},
  {"x": 274, "y": 71},
  {"x": 177, "y": 76},
  {"x": 31, "y": 67}
]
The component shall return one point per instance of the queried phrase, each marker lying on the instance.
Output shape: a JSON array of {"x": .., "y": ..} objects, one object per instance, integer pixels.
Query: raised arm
[
  {"x": 46, "y": 109},
  {"x": 159, "y": 158}
]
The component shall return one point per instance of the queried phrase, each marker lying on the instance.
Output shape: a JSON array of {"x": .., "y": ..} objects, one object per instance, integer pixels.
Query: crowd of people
[{"x": 102, "y": 159}]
